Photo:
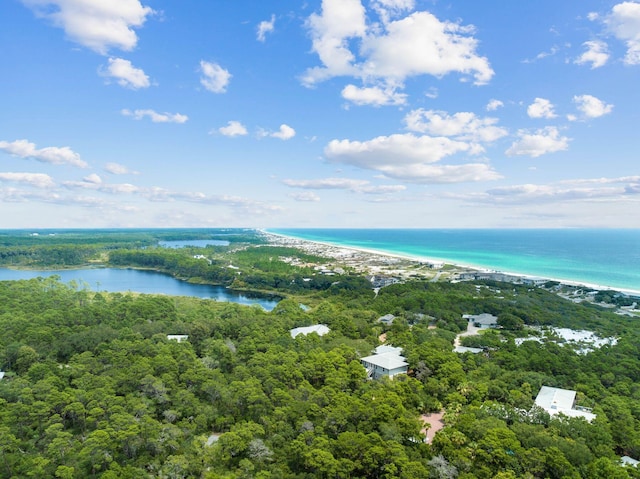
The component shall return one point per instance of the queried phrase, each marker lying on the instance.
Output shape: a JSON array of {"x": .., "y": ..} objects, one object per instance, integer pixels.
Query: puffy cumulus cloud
[
  {"x": 494, "y": 104},
  {"x": 118, "y": 169},
  {"x": 541, "y": 108},
  {"x": 38, "y": 180},
  {"x": 331, "y": 31},
  {"x": 624, "y": 22},
  {"x": 264, "y": 27},
  {"x": 541, "y": 142},
  {"x": 375, "y": 96},
  {"x": 305, "y": 196},
  {"x": 398, "y": 148},
  {"x": 156, "y": 117},
  {"x": 410, "y": 158},
  {"x": 51, "y": 154},
  {"x": 95, "y": 25},
  {"x": 233, "y": 128},
  {"x": 596, "y": 54},
  {"x": 592, "y": 107},
  {"x": 356, "y": 186},
  {"x": 214, "y": 78},
  {"x": 421, "y": 44},
  {"x": 462, "y": 125},
  {"x": 125, "y": 74},
  {"x": 387, "y": 9},
  {"x": 284, "y": 133},
  {"x": 417, "y": 44}
]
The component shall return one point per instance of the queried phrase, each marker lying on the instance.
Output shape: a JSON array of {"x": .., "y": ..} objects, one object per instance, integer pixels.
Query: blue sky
[{"x": 334, "y": 113}]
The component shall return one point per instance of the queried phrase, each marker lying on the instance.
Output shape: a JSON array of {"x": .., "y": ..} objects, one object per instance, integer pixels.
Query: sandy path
[{"x": 435, "y": 422}]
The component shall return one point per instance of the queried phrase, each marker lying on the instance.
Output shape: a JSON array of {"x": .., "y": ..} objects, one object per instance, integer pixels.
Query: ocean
[{"x": 600, "y": 257}]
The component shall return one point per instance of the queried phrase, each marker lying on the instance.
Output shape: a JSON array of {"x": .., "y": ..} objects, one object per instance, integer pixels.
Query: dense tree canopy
[{"x": 94, "y": 388}]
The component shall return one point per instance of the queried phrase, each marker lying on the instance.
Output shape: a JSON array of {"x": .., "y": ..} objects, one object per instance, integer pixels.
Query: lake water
[{"x": 147, "y": 282}]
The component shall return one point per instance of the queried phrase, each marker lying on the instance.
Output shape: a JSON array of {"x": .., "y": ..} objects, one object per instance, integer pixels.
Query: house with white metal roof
[
  {"x": 387, "y": 361},
  {"x": 561, "y": 401},
  {"x": 319, "y": 329}
]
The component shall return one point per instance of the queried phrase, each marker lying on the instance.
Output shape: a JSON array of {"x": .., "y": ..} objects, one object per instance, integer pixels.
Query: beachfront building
[
  {"x": 319, "y": 329},
  {"x": 561, "y": 401},
  {"x": 387, "y": 361}
]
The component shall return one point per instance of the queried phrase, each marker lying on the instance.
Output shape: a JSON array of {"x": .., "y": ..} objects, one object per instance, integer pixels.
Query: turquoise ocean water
[{"x": 607, "y": 257}]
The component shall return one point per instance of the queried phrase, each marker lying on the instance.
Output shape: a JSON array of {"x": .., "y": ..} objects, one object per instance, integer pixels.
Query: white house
[
  {"x": 386, "y": 362},
  {"x": 386, "y": 319},
  {"x": 629, "y": 461},
  {"x": 1, "y": 374},
  {"x": 483, "y": 321},
  {"x": 319, "y": 329},
  {"x": 177, "y": 337},
  {"x": 561, "y": 401}
]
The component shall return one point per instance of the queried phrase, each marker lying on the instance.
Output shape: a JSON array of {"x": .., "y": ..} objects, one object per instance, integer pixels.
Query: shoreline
[{"x": 475, "y": 268}]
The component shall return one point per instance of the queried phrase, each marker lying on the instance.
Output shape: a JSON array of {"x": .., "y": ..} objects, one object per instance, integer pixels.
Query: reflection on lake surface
[{"x": 147, "y": 282}]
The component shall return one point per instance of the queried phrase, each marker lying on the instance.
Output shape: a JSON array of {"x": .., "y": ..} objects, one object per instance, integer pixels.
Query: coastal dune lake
[{"x": 147, "y": 282}]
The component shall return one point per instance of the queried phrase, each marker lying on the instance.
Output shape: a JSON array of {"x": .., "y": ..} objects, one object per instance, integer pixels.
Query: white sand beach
[{"x": 374, "y": 262}]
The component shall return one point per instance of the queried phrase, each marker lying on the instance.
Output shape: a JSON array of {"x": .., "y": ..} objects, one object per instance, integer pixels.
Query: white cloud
[
  {"x": 387, "y": 9},
  {"x": 284, "y": 133},
  {"x": 462, "y": 125},
  {"x": 597, "y": 54},
  {"x": 541, "y": 108},
  {"x": 421, "y": 44},
  {"x": 214, "y": 78},
  {"x": 592, "y": 107},
  {"x": 233, "y": 128},
  {"x": 375, "y": 96},
  {"x": 554, "y": 49},
  {"x": 98, "y": 25},
  {"x": 118, "y": 169},
  {"x": 93, "y": 178},
  {"x": 624, "y": 22},
  {"x": 94, "y": 182},
  {"x": 418, "y": 44},
  {"x": 39, "y": 180},
  {"x": 543, "y": 141},
  {"x": 356, "y": 186},
  {"x": 570, "y": 190},
  {"x": 126, "y": 74},
  {"x": 494, "y": 104},
  {"x": 409, "y": 158},
  {"x": 265, "y": 27},
  {"x": 51, "y": 154},
  {"x": 305, "y": 196},
  {"x": 155, "y": 116}
]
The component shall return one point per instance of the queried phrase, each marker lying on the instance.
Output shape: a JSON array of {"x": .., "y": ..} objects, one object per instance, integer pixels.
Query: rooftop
[
  {"x": 388, "y": 360},
  {"x": 560, "y": 401},
  {"x": 319, "y": 329}
]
